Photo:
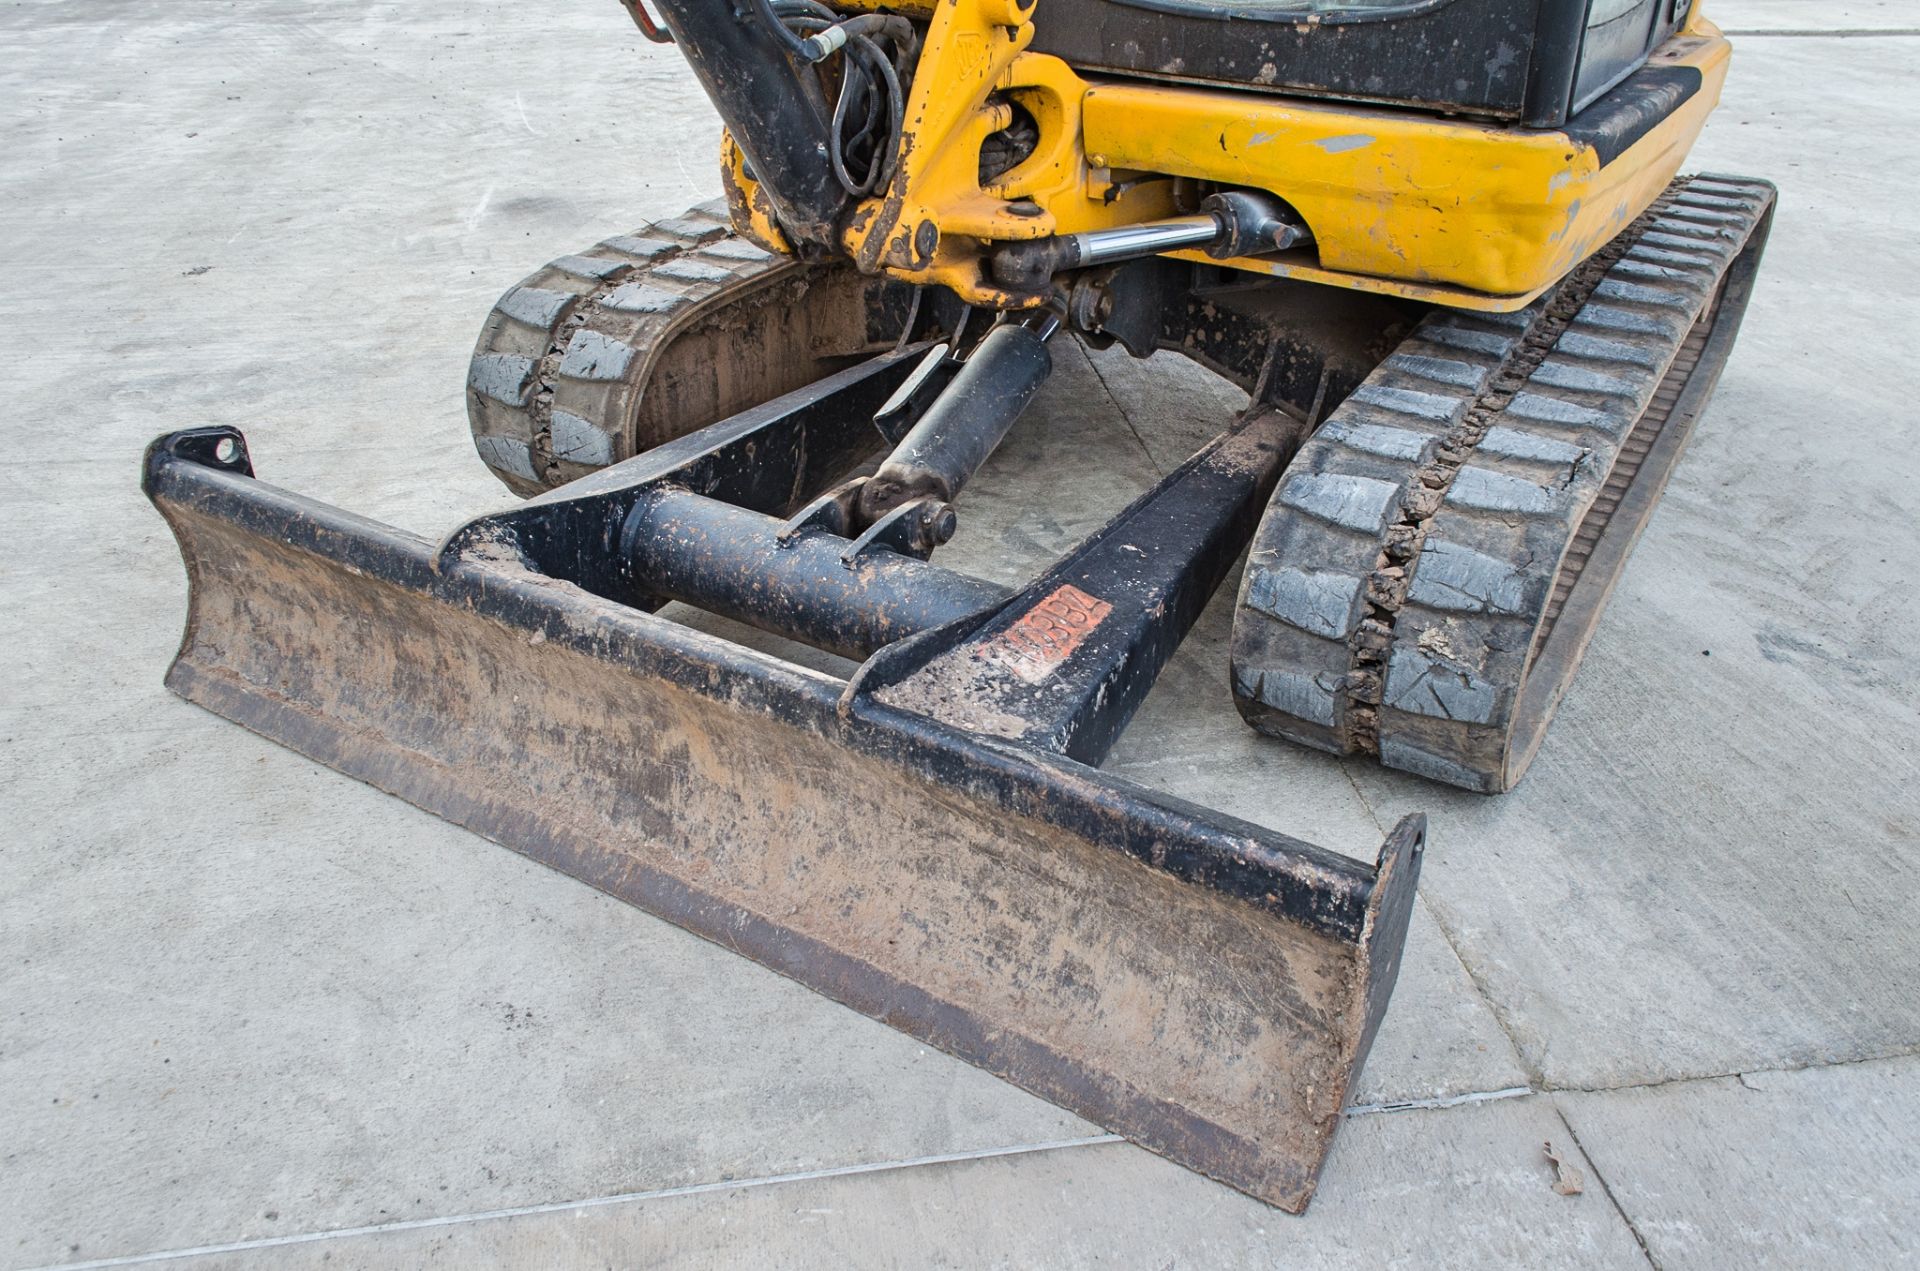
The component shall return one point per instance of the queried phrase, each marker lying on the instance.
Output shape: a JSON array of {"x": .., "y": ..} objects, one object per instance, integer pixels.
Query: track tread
[
  {"x": 565, "y": 355},
  {"x": 1505, "y": 441}
]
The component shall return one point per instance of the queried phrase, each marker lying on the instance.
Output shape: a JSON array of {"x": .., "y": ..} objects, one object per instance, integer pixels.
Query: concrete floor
[{"x": 254, "y": 1013}]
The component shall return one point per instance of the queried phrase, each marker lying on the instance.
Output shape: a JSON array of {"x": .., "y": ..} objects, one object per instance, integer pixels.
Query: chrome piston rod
[
  {"x": 1103, "y": 246},
  {"x": 1234, "y": 223}
]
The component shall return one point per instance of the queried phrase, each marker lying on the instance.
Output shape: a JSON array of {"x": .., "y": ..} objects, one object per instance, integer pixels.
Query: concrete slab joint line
[
  {"x": 1593, "y": 1167},
  {"x": 1441, "y": 1101},
  {"x": 1120, "y": 408},
  {"x": 566, "y": 1206},
  {"x": 1437, "y": 1103}
]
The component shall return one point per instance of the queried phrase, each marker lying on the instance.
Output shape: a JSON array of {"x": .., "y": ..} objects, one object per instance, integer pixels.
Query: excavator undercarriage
[{"x": 1474, "y": 335}]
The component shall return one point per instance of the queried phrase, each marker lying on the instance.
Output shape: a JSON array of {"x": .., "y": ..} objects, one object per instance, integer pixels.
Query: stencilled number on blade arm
[{"x": 1046, "y": 635}]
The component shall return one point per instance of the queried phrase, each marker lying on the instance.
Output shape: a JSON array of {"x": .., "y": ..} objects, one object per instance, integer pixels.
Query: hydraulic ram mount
[{"x": 928, "y": 842}]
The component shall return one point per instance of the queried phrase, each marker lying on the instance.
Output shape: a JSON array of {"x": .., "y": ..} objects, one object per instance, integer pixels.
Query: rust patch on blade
[{"x": 1046, "y": 635}]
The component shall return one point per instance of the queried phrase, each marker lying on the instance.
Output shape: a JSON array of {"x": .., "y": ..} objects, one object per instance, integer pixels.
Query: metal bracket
[
  {"x": 922, "y": 385},
  {"x": 912, "y": 529}
]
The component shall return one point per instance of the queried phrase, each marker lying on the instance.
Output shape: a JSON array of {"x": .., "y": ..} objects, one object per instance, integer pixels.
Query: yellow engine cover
[
  {"x": 1460, "y": 213},
  {"x": 1448, "y": 211}
]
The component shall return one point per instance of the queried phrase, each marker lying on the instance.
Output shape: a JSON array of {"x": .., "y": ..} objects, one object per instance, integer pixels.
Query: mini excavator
[{"x": 1444, "y": 248}]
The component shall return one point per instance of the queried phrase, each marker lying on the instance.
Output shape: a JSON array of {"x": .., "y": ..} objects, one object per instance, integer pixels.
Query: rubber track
[
  {"x": 561, "y": 363},
  {"x": 1415, "y": 557},
  {"x": 1626, "y": 468}
]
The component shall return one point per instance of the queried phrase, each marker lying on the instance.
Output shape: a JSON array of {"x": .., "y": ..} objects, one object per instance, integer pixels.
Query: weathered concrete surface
[
  {"x": 1819, "y": 1167},
  {"x": 1464, "y": 1188},
  {"x": 1778, "y": 17},
  {"x": 242, "y": 998}
]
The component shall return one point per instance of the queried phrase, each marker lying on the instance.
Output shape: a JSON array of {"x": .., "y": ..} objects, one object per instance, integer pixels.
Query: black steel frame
[
  {"x": 945, "y": 841},
  {"x": 1158, "y": 562}
]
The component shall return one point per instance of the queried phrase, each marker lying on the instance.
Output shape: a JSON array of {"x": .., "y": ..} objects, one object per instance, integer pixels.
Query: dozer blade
[{"x": 1201, "y": 985}]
